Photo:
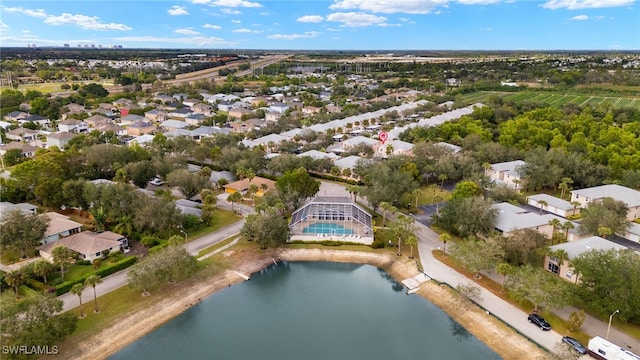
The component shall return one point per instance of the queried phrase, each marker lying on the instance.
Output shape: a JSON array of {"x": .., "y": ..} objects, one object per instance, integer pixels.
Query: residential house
[
  {"x": 349, "y": 162},
  {"x": 333, "y": 109},
  {"x": 311, "y": 110},
  {"x": 131, "y": 119},
  {"x": 190, "y": 102},
  {"x": 181, "y": 133},
  {"x": 96, "y": 120},
  {"x": 553, "y": 205},
  {"x": 195, "y": 119},
  {"x": 316, "y": 155},
  {"x": 393, "y": 147},
  {"x": 180, "y": 114},
  {"x": 225, "y": 105},
  {"x": 453, "y": 149},
  {"x": 264, "y": 185},
  {"x": 270, "y": 142},
  {"x": 140, "y": 128},
  {"x": 272, "y": 116},
  {"x": 279, "y": 107},
  {"x": 633, "y": 232},
  {"x": 507, "y": 173},
  {"x": 74, "y": 108},
  {"x": 209, "y": 131},
  {"x": 26, "y": 150},
  {"x": 5, "y": 125},
  {"x": 354, "y": 141},
  {"x": 60, "y": 139},
  {"x": 163, "y": 98},
  {"x": 573, "y": 250},
  {"x": 59, "y": 227},
  {"x": 141, "y": 140},
  {"x": 202, "y": 108},
  {"x": 89, "y": 245},
  {"x": 156, "y": 115},
  {"x": 120, "y": 103},
  {"x": 24, "y": 208},
  {"x": 73, "y": 126},
  {"x": 117, "y": 130},
  {"x": 173, "y": 125},
  {"x": 627, "y": 195},
  {"x": 22, "y": 134},
  {"x": 512, "y": 218},
  {"x": 239, "y": 113},
  {"x": 217, "y": 175},
  {"x": 41, "y": 121},
  {"x": 126, "y": 110},
  {"x": 188, "y": 207},
  {"x": 16, "y": 116}
]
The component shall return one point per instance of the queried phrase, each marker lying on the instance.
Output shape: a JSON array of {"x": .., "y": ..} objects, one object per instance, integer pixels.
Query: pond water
[{"x": 311, "y": 310}]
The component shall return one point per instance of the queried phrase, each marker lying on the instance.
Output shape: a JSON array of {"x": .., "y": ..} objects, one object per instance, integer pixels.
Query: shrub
[
  {"x": 157, "y": 248},
  {"x": 117, "y": 266},
  {"x": 67, "y": 285},
  {"x": 35, "y": 284},
  {"x": 378, "y": 244},
  {"x": 150, "y": 241}
]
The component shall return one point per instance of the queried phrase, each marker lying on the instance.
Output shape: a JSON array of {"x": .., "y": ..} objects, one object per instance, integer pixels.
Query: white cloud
[
  {"x": 585, "y": 4},
  {"x": 236, "y": 3},
  {"x": 231, "y": 11},
  {"x": 186, "y": 31},
  {"x": 477, "y": 2},
  {"x": 308, "y": 34},
  {"x": 580, "y": 18},
  {"x": 210, "y": 26},
  {"x": 178, "y": 10},
  {"x": 196, "y": 40},
  {"x": 310, "y": 19},
  {"x": 247, "y": 31},
  {"x": 357, "y": 19},
  {"x": 28, "y": 12},
  {"x": 83, "y": 21},
  {"x": 236, "y": 21},
  {"x": 390, "y": 7},
  {"x": 3, "y": 25},
  {"x": 200, "y": 1}
]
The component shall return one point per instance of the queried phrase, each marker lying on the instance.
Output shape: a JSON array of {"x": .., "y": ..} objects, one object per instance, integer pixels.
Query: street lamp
[
  {"x": 185, "y": 238},
  {"x": 610, "y": 318}
]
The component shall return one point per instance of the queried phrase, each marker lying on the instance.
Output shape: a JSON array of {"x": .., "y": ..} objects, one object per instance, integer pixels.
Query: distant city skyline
[{"x": 325, "y": 25}]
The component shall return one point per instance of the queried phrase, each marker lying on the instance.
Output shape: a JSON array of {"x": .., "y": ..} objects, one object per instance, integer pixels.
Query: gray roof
[
  {"x": 217, "y": 175},
  {"x": 315, "y": 154},
  {"x": 275, "y": 138},
  {"x": 577, "y": 247},
  {"x": 513, "y": 218},
  {"x": 174, "y": 124},
  {"x": 507, "y": 166},
  {"x": 552, "y": 201},
  {"x": 628, "y": 196},
  {"x": 360, "y": 139},
  {"x": 451, "y": 147},
  {"x": 347, "y": 162}
]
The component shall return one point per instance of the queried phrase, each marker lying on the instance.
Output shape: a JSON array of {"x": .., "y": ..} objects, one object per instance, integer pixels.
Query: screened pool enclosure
[{"x": 331, "y": 218}]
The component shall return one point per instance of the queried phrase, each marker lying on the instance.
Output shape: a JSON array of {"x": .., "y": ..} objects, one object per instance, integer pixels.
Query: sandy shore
[{"x": 499, "y": 337}]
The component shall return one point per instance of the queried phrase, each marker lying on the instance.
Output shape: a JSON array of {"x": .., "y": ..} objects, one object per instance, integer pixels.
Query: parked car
[
  {"x": 156, "y": 181},
  {"x": 575, "y": 344},
  {"x": 539, "y": 321}
]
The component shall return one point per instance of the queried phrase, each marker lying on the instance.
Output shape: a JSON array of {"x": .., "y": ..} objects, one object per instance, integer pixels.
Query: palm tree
[
  {"x": 411, "y": 240},
  {"x": 92, "y": 281},
  {"x": 15, "y": 279},
  {"x": 444, "y": 237},
  {"x": 442, "y": 178},
  {"x": 62, "y": 255},
  {"x": 604, "y": 231},
  {"x": 77, "y": 290},
  {"x": 253, "y": 189},
  {"x": 566, "y": 226},
  {"x": 234, "y": 198},
  {"x": 386, "y": 207},
  {"x": 99, "y": 218},
  {"x": 43, "y": 268},
  {"x": 399, "y": 232},
  {"x": 556, "y": 225},
  {"x": 503, "y": 269},
  {"x": 543, "y": 204},
  {"x": 437, "y": 199},
  {"x": 564, "y": 185},
  {"x": 353, "y": 190},
  {"x": 416, "y": 195}
]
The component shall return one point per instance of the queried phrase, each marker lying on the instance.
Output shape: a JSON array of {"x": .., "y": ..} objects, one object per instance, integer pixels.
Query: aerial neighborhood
[{"x": 180, "y": 179}]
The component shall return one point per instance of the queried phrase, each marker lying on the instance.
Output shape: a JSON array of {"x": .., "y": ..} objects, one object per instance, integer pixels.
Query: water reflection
[
  {"x": 396, "y": 286},
  {"x": 458, "y": 331}
]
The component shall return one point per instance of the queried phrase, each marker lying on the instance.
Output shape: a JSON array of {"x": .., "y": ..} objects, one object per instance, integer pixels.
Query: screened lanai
[{"x": 331, "y": 218}]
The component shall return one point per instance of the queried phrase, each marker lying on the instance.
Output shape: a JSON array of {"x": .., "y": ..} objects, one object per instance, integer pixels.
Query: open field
[
  {"x": 555, "y": 99},
  {"x": 52, "y": 87}
]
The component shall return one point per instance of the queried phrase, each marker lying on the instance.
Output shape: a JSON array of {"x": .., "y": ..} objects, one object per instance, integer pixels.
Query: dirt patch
[{"x": 499, "y": 337}]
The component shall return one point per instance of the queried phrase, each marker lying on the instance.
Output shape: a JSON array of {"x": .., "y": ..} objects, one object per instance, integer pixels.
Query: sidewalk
[{"x": 428, "y": 241}]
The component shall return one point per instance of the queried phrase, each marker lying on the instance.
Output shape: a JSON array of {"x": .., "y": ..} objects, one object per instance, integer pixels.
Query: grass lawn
[
  {"x": 221, "y": 218},
  {"x": 429, "y": 193},
  {"x": 216, "y": 246}
]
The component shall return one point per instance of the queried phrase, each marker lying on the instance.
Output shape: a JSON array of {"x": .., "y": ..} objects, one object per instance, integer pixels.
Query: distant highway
[{"x": 212, "y": 74}]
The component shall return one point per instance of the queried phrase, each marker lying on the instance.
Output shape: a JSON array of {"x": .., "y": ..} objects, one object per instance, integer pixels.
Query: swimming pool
[{"x": 327, "y": 228}]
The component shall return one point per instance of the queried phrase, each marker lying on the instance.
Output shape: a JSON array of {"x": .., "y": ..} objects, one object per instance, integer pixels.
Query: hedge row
[{"x": 105, "y": 271}]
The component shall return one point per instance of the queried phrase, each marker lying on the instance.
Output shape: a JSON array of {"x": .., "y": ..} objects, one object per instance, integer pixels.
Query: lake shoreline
[{"x": 498, "y": 336}]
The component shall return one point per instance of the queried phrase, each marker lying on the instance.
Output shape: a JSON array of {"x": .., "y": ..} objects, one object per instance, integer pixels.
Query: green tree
[
  {"x": 234, "y": 198},
  {"x": 536, "y": 285},
  {"x": 565, "y": 182},
  {"x": 296, "y": 186},
  {"x": 189, "y": 184},
  {"x": 269, "y": 229},
  {"x": 21, "y": 231},
  {"x": 15, "y": 279},
  {"x": 477, "y": 255},
  {"x": 466, "y": 189},
  {"x": 412, "y": 241},
  {"x": 444, "y": 237},
  {"x": 504, "y": 269},
  {"x": 77, "y": 289},
  {"x": 525, "y": 246},
  {"x": 93, "y": 280},
  {"x": 610, "y": 281},
  {"x": 43, "y": 268},
  {"x": 171, "y": 264},
  {"x": 353, "y": 190},
  {"x": 468, "y": 216},
  {"x": 386, "y": 208},
  {"x": 12, "y": 157},
  {"x": 62, "y": 255},
  {"x": 575, "y": 321},
  {"x": 608, "y": 213},
  {"x": 34, "y": 320},
  {"x": 385, "y": 182}
]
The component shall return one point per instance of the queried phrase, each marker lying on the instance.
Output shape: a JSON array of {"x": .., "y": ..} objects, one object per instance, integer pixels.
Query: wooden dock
[{"x": 412, "y": 284}]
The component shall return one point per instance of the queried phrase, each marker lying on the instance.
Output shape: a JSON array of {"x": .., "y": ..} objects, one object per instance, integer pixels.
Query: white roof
[
  {"x": 360, "y": 139},
  {"x": 174, "y": 124},
  {"x": 552, "y": 201},
  {"x": 513, "y": 218},
  {"x": 508, "y": 166},
  {"x": 400, "y": 145},
  {"x": 577, "y": 247},
  {"x": 315, "y": 154},
  {"x": 347, "y": 162},
  {"x": 276, "y": 138},
  {"x": 628, "y": 196},
  {"x": 143, "y": 139},
  {"x": 453, "y": 148}
]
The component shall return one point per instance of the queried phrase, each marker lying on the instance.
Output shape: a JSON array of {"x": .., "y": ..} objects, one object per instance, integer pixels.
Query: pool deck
[{"x": 356, "y": 239}]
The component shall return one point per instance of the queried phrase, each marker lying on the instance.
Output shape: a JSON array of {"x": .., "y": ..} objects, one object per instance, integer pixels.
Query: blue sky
[{"x": 326, "y": 25}]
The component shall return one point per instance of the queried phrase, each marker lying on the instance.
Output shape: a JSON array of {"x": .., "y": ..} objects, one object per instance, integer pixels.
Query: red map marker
[{"x": 383, "y": 136}]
